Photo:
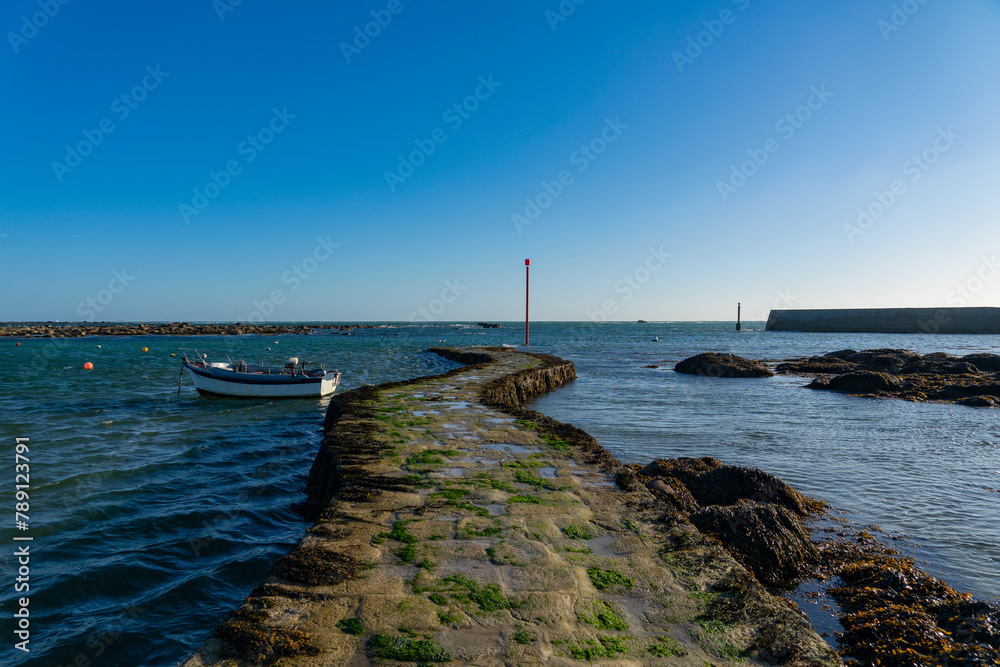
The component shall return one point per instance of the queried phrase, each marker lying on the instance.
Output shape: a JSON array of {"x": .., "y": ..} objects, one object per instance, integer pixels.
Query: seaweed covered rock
[
  {"x": 722, "y": 365},
  {"x": 980, "y": 402},
  {"x": 819, "y": 365},
  {"x": 931, "y": 366},
  {"x": 674, "y": 494},
  {"x": 867, "y": 355},
  {"x": 682, "y": 468},
  {"x": 972, "y": 380},
  {"x": 989, "y": 363},
  {"x": 884, "y": 363},
  {"x": 769, "y": 540},
  {"x": 712, "y": 483},
  {"x": 727, "y": 485},
  {"x": 896, "y": 615},
  {"x": 962, "y": 392},
  {"x": 859, "y": 382}
]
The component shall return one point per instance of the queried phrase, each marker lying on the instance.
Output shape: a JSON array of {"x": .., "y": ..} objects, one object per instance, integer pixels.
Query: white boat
[{"x": 228, "y": 378}]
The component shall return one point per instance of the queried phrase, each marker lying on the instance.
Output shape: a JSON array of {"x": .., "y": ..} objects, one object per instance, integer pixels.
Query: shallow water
[{"x": 155, "y": 514}]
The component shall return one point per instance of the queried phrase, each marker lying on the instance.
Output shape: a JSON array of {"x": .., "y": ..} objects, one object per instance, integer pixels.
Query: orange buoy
[
  {"x": 145, "y": 349},
  {"x": 18, "y": 345},
  {"x": 88, "y": 366}
]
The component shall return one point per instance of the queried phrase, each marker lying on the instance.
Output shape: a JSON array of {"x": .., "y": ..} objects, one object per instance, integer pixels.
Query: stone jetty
[{"x": 454, "y": 525}]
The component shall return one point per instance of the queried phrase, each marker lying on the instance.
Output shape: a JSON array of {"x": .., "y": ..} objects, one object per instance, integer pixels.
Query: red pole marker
[{"x": 527, "y": 295}]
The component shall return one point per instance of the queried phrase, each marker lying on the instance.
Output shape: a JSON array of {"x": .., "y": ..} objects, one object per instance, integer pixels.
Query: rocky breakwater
[
  {"x": 452, "y": 524},
  {"x": 972, "y": 380},
  {"x": 77, "y": 330}
]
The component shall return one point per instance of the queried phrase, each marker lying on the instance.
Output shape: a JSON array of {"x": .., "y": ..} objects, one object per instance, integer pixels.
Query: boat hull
[{"x": 218, "y": 382}]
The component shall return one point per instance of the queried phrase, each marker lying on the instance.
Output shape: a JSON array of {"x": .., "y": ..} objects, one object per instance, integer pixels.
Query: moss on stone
[
  {"x": 406, "y": 649},
  {"x": 605, "y": 579}
]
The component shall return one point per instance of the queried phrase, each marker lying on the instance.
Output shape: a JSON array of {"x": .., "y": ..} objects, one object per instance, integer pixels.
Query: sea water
[{"x": 153, "y": 514}]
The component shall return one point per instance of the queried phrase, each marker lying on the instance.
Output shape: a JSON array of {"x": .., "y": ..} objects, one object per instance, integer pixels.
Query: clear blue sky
[{"x": 788, "y": 235}]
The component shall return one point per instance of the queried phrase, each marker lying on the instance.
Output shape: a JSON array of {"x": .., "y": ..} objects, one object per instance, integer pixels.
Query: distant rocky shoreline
[
  {"x": 972, "y": 380},
  {"x": 81, "y": 329}
]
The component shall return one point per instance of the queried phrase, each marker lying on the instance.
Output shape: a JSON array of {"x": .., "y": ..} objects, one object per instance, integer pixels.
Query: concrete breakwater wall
[{"x": 887, "y": 320}]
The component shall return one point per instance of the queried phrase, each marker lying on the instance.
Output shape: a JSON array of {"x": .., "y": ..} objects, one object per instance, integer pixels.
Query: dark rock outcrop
[
  {"x": 712, "y": 483},
  {"x": 972, "y": 380},
  {"x": 817, "y": 365},
  {"x": 980, "y": 402},
  {"x": 934, "y": 366},
  {"x": 989, "y": 363},
  {"x": 674, "y": 494},
  {"x": 718, "y": 364},
  {"x": 883, "y": 363},
  {"x": 755, "y": 515},
  {"x": 864, "y": 383},
  {"x": 959, "y": 392},
  {"x": 767, "y": 539}
]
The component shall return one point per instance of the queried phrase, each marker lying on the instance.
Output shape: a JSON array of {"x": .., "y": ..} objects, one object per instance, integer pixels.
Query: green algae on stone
[
  {"x": 488, "y": 598},
  {"x": 397, "y": 533},
  {"x": 605, "y": 579},
  {"x": 600, "y": 614},
  {"x": 603, "y": 647},
  {"x": 406, "y": 649},
  {"x": 525, "y": 477},
  {"x": 470, "y": 532},
  {"x": 576, "y": 532},
  {"x": 524, "y": 638},
  {"x": 424, "y": 458},
  {"x": 666, "y": 648},
  {"x": 351, "y": 626}
]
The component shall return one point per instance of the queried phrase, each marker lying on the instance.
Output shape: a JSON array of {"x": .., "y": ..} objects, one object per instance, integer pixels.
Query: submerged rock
[{"x": 719, "y": 364}]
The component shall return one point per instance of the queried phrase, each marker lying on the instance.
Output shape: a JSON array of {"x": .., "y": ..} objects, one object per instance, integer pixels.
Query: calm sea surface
[{"x": 154, "y": 514}]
